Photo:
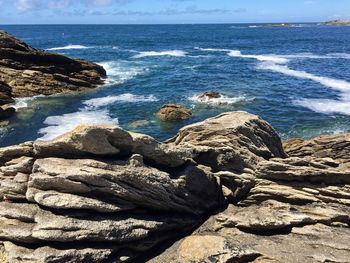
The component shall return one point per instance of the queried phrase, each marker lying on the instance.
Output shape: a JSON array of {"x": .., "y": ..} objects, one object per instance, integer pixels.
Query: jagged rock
[
  {"x": 26, "y": 71},
  {"x": 173, "y": 112},
  {"x": 102, "y": 194}
]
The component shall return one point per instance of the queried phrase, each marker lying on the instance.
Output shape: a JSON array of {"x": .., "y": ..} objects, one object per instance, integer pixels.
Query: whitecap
[
  {"x": 58, "y": 125},
  {"x": 172, "y": 53},
  {"x": 127, "y": 97},
  {"x": 272, "y": 58},
  {"x": 223, "y": 100},
  {"x": 69, "y": 47},
  {"x": 337, "y": 84},
  {"x": 212, "y": 49},
  {"x": 325, "y": 106},
  {"x": 119, "y": 72}
]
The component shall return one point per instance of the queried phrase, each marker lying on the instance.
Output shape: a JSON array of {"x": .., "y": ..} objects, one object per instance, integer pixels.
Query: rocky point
[{"x": 26, "y": 72}]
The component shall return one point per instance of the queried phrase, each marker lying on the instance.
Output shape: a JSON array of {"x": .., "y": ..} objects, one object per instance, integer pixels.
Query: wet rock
[{"x": 173, "y": 112}]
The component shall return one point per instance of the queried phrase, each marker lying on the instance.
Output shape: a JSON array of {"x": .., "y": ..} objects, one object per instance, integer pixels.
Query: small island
[{"x": 337, "y": 23}]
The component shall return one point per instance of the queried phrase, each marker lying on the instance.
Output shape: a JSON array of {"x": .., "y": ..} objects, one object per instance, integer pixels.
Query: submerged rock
[
  {"x": 102, "y": 194},
  {"x": 173, "y": 112},
  {"x": 26, "y": 71}
]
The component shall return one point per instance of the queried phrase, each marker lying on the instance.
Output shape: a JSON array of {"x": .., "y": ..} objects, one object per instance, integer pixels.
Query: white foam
[
  {"x": 280, "y": 64},
  {"x": 127, "y": 97},
  {"x": 212, "y": 49},
  {"x": 325, "y": 106},
  {"x": 172, "y": 53},
  {"x": 271, "y": 58},
  {"x": 58, "y": 125},
  {"x": 223, "y": 100},
  {"x": 119, "y": 72},
  {"x": 337, "y": 84},
  {"x": 21, "y": 103},
  {"x": 69, "y": 47}
]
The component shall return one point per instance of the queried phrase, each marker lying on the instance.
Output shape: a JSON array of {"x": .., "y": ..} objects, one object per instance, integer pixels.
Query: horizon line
[{"x": 128, "y": 24}]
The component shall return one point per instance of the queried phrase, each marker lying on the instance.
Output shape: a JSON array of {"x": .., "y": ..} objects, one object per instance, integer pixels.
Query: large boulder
[{"x": 173, "y": 112}]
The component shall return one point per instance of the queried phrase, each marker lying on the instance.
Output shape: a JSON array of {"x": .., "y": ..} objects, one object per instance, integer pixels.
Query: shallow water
[{"x": 296, "y": 78}]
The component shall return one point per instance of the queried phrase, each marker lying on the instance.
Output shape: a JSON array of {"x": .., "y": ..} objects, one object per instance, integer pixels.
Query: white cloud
[
  {"x": 25, "y": 5},
  {"x": 58, "y": 4}
]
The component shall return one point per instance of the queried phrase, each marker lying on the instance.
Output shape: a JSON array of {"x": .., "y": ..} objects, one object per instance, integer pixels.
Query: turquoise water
[{"x": 296, "y": 78}]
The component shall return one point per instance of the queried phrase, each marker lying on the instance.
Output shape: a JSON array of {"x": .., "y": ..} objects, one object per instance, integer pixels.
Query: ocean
[{"x": 296, "y": 78}]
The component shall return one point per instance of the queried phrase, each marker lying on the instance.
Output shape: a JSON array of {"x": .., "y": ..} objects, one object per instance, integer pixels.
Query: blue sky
[{"x": 170, "y": 11}]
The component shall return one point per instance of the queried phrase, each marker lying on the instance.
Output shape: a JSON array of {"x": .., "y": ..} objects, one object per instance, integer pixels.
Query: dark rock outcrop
[
  {"x": 102, "y": 194},
  {"x": 26, "y": 72},
  {"x": 173, "y": 112}
]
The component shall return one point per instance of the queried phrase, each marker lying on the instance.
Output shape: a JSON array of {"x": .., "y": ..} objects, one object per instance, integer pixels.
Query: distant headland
[{"x": 337, "y": 23}]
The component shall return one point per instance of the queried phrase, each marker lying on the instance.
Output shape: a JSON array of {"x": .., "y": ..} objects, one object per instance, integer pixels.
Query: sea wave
[
  {"x": 340, "y": 85},
  {"x": 325, "y": 106},
  {"x": 119, "y": 72},
  {"x": 212, "y": 49},
  {"x": 223, "y": 100},
  {"x": 271, "y": 58},
  {"x": 127, "y": 97},
  {"x": 172, "y": 53},
  {"x": 68, "y": 47},
  {"x": 279, "y": 64},
  {"x": 58, "y": 125}
]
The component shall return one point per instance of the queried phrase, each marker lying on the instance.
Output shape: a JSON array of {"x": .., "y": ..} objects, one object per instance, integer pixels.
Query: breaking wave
[
  {"x": 69, "y": 47},
  {"x": 172, "y": 53},
  {"x": 127, "y": 97}
]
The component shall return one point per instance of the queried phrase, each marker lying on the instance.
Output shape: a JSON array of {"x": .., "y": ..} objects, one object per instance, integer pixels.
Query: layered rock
[
  {"x": 102, "y": 194},
  {"x": 26, "y": 71}
]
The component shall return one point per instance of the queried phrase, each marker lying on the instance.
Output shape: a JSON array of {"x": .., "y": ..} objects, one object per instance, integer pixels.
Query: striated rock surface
[
  {"x": 26, "y": 71},
  {"x": 102, "y": 194},
  {"x": 173, "y": 112}
]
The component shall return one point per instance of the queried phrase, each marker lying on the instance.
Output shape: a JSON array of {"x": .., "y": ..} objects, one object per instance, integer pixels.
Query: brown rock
[
  {"x": 173, "y": 112},
  {"x": 25, "y": 72}
]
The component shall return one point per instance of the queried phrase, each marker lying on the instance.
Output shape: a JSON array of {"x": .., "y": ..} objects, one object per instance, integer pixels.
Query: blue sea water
[{"x": 296, "y": 78}]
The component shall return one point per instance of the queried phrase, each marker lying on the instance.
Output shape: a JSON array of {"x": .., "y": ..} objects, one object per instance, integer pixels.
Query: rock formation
[
  {"x": 173, "y": 112},
  {"x": 102, "y": 194},
  {"x": 26, "y": 71},
  {"x": 337, "y": 23}
]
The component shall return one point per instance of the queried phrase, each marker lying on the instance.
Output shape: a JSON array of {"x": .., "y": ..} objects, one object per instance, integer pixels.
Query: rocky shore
[
  {"x": 226, "y": 190},
  {"x": 26, "y": 72},
  {"x": 337, "y": 23}
]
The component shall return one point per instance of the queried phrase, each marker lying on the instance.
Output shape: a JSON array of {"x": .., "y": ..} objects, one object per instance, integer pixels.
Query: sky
[{"x": 170, "y": 11}]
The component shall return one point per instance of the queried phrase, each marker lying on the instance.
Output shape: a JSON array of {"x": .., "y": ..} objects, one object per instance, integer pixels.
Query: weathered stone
[
  {"x": 102, "y": 194},
  {"x": 230, "y": 141},
  {"x": 173, "y": 112}
]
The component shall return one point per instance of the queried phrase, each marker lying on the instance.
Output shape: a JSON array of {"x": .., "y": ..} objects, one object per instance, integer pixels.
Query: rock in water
[
  {"x": 26, "y": 71},
  {"x": 337, "y": 23},
  {"x": 173, "y": 112},
  {"x": 102, "y": 194}
]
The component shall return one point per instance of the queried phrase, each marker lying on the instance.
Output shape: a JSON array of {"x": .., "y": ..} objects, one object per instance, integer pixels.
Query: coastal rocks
[
  {"x": 209, "y": 95},
  {"x": 337, "y": 23},
  {"x": 102, "y": 194},
  {"x": 232, "y": 141},
  {"x": 173, "y": 112},
  {"x": 25, "y": 71}
]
